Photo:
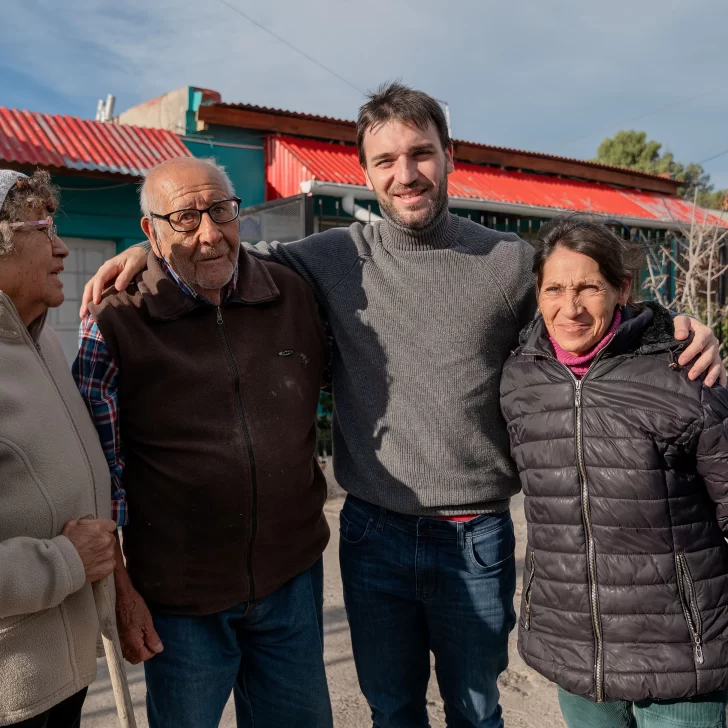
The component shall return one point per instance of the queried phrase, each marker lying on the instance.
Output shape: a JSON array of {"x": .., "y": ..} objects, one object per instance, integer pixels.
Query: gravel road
[{"x": 528, "y": 700}]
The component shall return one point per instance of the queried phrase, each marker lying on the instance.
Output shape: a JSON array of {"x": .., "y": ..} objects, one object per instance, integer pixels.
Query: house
[
  {"x": 299, "y": 173},
  {"x": 98, "y": 167}
]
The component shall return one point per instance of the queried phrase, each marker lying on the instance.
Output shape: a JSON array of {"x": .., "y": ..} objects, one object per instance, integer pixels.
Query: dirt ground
[{"x": 528, "y": 700}]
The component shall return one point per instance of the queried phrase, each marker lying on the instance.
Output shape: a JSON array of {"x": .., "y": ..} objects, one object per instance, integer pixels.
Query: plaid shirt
[{"x": 97, "y": 377}]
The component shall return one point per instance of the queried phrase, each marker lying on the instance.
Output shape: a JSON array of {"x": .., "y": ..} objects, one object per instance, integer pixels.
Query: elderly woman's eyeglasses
[
  {"x": 186, "y": 221},
  {"x": 48, "y": 224}
]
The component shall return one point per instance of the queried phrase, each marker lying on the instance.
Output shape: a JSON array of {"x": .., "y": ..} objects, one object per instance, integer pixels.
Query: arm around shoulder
[
  {"x": 322, "y": 259},
  {"x": 712, "y": 452}
]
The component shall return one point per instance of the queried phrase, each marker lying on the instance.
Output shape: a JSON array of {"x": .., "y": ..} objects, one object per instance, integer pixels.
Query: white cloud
[{"x": 536, "y": 74}]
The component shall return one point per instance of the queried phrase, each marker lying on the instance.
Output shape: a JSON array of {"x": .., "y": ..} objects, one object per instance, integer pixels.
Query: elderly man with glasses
[{"x": 203, "y": 379}]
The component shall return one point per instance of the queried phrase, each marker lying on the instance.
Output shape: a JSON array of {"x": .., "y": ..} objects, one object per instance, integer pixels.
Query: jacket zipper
[
  {"x": 529, "y": 588},
  {"x": 591, "y": 550},
  {"x": 689, "y": 604},
  {"x": 251, "y": 455}
]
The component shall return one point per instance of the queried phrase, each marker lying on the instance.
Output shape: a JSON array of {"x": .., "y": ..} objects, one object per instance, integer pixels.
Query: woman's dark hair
[
  {"x": 397, "y": 102},
  {"x": 584, "y": 235}
]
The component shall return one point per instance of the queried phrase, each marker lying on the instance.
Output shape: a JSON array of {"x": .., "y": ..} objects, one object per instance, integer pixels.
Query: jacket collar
[
  {"x": 12, "y": 326},
  {"x": 165, "y": 300},
  {"x": 646, "y": 328}
]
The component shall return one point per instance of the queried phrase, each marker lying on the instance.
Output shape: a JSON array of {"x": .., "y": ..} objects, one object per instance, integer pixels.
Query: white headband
[{"x": 8, "y": 178}]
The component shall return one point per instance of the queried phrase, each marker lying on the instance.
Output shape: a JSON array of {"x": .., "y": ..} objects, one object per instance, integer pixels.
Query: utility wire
[
  {"x": 710, "y": 159},
  {"x": 291, "y": 46},
  {"x": 622, "y": 124}
]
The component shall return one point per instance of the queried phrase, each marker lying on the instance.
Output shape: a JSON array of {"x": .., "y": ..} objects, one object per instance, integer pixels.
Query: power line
[
  {"x": 291, "y": 46},
  {"x": 622, "y": 124},
  {"x": 710, "y": 159}
]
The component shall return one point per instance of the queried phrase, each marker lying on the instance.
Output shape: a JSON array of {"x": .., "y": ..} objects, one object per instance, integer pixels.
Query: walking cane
[{"x": 112, "y": 648}]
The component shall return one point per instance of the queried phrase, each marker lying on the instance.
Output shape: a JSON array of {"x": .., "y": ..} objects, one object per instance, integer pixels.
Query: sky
[{"x": 553, "y": 76}]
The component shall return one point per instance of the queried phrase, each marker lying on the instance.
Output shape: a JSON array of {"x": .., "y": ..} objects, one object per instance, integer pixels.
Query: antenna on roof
[
  {"x": 105, "y": 109},
  {"x": 447, "y": 115}
]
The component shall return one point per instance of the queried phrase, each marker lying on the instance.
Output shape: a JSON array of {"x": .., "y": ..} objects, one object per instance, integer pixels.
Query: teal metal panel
[
  {"x": 324, "y": 206},
  {"x": 99, "y": 209},
  {"x": 244, "y": 160}
]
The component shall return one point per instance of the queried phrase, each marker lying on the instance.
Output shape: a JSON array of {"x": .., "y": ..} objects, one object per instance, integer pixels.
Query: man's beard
[{"x": 439, "y": 203}]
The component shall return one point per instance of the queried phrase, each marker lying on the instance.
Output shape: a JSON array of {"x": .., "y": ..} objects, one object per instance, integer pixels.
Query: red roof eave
[{"x": 65, "y": 142}]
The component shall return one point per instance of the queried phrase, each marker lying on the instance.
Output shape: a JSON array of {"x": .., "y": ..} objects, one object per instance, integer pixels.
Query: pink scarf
[{"x": 579, "y": 364}]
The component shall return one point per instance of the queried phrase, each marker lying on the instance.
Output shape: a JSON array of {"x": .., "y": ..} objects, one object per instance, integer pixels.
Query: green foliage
[
  {"x": 713, "y": 200},
  {"x": 632, "y": 150}
]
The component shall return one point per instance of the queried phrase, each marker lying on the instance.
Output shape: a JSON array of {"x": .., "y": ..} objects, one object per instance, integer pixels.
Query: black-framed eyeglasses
[{"x": 186, "y": 221}]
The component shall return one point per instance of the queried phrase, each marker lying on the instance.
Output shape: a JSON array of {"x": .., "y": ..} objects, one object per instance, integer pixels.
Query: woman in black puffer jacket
[{"x": 624, "y": 466}]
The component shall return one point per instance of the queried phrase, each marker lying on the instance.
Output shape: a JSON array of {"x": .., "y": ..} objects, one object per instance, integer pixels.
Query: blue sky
[{"x": 547, "y": 75}]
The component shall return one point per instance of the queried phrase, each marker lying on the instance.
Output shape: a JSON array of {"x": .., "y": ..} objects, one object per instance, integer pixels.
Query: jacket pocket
[
  {"x": 528, "y": 592},
  {"x": 37, "y": 665},
  {"x": 689, "y": 603}
]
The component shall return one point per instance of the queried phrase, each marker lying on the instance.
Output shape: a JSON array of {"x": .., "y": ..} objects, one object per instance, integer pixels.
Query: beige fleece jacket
[{"x": 52, "y": 470}]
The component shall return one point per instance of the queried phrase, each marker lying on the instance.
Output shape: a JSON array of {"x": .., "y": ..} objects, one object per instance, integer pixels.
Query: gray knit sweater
[{"x": 423, "y": 323}]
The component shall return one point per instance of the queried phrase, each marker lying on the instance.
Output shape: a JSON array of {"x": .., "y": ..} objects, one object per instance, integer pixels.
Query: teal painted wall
[
  {"x": 245, "y": 166},
  {"x": 99, "y": 209}
]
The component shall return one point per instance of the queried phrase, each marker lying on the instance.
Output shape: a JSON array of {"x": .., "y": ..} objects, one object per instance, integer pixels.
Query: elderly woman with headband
[{"x": 52, "y": 474}]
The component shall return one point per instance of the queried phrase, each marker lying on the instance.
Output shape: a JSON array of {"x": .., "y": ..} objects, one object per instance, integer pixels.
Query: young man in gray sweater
[{"x": 424, "y": 308}]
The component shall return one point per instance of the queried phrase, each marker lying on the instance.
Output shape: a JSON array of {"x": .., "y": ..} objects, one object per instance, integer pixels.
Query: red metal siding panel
[
  {"x": 62, "y": 141},
  {"x": 285, "y": 170}
]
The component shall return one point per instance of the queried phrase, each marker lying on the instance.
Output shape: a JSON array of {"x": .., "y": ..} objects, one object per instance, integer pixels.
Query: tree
[
  {"x": 684, "y": 272},
  {"x": 632, "y": 150}
]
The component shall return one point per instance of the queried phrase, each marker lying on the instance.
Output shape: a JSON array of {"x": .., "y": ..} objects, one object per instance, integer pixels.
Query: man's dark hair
[
  {"x": 396, "y": 102},
  {"x": 582, "y": 234}
]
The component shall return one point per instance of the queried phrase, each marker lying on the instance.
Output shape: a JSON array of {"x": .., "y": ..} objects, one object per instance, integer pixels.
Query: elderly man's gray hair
[{"x": 146, "y": 195}]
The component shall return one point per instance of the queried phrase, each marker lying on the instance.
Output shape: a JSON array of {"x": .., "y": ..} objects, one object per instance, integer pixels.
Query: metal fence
[{"x": 282, "y": 220}]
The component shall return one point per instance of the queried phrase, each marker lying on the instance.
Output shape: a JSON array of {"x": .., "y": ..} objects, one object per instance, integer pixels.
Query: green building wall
[
  {"x": 99, "y": 209},
  {"x": 240, "y": 152}
]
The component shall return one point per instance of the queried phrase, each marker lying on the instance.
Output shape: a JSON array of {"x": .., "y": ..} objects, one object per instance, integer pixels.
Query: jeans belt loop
[
  {"x": 461, "y": 535},
  {"x": 382, "y": 519}
]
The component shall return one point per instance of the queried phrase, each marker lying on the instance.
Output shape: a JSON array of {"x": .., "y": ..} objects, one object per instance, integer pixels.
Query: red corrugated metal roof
[
  {"x": 291, "y": 160},
  {"x": 50, "y": 140},
  {"x": 476, "y": 145}
]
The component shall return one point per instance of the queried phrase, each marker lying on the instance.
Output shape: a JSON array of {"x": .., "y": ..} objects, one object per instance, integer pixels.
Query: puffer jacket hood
[{"x": 625, "y": 476}]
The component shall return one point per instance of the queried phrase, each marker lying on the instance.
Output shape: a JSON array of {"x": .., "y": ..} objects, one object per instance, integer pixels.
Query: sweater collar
[
  {"x": 441, "y": 233},
  {"x": 579, "y": 363},
  {"x": 166, "y": 300}
]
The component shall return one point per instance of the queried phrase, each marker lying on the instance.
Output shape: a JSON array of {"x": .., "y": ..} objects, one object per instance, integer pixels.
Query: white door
[{"x": 84, "y": 259}]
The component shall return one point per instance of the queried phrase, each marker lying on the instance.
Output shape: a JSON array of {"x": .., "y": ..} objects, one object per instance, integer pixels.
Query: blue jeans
[
  {"x": 270, "y": 655},
  {"x": 418, "y": 585},
  {"x": 702, "y": 711}
]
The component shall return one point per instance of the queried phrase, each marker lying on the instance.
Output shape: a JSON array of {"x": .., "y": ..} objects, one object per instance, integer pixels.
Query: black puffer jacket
[{"x": 625, "y": 473}]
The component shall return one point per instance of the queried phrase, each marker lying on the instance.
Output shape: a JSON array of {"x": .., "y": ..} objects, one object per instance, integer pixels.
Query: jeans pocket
[
  {"x": 354, "y": 524},
  {"x": 491, "y": 548}
]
